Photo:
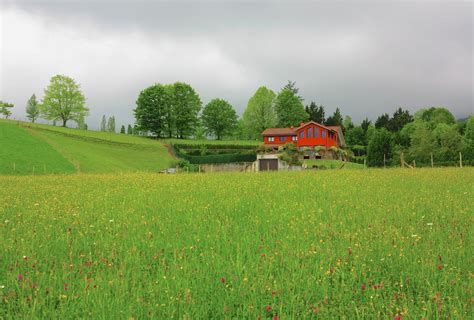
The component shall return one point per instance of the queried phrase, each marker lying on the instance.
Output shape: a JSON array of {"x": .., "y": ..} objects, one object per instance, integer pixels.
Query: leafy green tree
[
  {"x": 347, "y": 123},
  {"x": 422, "y": 142},
  {"x": 315, "y": 113},
  {"x": 32, "y": 109},
  {"x": 103, "y": 124},
  {"x": 291, "y": 85},
  {"x": 449, "y": 141},
  {"x": 380, "y": 144},
  {"x": 382, "y": 121},
  {"x": 468, "y": 139},
  {"x": 365, "y": 124},
  {"x": 434, "y": 116},
  {"x": 81, "y": 123},
  {"x": 129, "y": 129},
  {"x": 355, "y": 136},
  {"x": 152, "y": 109},
  {"x": 336, "y": 119},
  {"x": 289, "y": 109},
  {"x": 111, "y": 124},
  {"x": 260, "y": 113},
  {"x": 399, "y": 119},
  {"x": 63, "y": 100},
  {"x": 219, "y": 118},
  {"x": 186, "y": 105},
  {"x": 5, "y": 109},
  {"x": 122, "y": 129}
]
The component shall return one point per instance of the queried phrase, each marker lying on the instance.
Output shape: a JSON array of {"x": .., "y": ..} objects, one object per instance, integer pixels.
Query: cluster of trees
[
  {"x": 266, "y": 109},
  {"x": 174, "y": 110},
  {"x": 107, "y": 125},
  {"x": 62, "y": 101},
  {"x": 431, "y": 133}
]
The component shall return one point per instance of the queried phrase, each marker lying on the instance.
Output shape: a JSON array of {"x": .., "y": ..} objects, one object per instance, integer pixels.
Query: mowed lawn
[
  {"x": 41, "y": 149},
  {"x": 93, "y": 155},
  {"x": 21, "y": 153},
  {"x": 368, "y": 244}
]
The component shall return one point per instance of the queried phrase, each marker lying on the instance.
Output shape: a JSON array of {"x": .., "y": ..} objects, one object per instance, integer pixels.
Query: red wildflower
[
  {"x": 440, "y": 267},
  {"x": 398, "y": 317},
  {"x": 275, "y": 317},
  {"x": 363, "y": 287},
  {"x": 223, "y": 280},
  {"x": 20, "y": 277},
  {"x": 268, "y": 308},
  {"x": 349, "y": 250}
]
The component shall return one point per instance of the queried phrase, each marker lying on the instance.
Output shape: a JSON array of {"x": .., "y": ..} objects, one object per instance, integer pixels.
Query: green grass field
[
  {"x": 315, "y": 244},
  {"x": 42, "y": 149},
  {"x": 23, "y": 153}
]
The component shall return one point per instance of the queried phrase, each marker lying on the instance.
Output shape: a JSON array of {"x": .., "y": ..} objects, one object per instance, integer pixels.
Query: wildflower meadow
[{"x": 386, "y": 244}]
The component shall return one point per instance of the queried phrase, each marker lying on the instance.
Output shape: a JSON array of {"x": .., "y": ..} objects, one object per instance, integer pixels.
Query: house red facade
[{"x": 309, "y": 134}]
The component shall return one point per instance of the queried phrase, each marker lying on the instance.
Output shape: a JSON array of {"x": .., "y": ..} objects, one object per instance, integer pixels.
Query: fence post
[
  {"x": 364, "y": 163},
  {"x": 402, "y": 159},
  {"x": 199, "y": 168},
  {"x": 460, "y": 159},
  {"x": 414, "y": 164},
  {"x": 432, "y": 164}
]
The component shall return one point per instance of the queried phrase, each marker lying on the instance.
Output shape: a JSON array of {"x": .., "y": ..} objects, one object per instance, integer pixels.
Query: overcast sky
[{"x": 367, "y": 58}]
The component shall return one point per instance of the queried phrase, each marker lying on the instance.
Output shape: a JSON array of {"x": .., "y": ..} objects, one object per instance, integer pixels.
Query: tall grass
[{"x": 372, "y": 244}]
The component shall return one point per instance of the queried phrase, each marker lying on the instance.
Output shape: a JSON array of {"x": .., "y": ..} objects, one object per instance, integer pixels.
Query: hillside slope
[
  {"x": 82, "y": 151},
  {"x": 22, "y": 153}
]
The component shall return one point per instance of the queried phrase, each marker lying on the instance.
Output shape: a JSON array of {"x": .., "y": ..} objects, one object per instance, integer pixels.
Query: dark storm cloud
[{"x": 366, "y": 58}]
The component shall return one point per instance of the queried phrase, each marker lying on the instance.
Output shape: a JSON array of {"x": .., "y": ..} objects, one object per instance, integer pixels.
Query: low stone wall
[{"x": 228, "y": 167}]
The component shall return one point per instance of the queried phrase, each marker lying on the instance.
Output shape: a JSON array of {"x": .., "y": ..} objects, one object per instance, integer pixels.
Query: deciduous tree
[
  {"x": 185, "y": 107},
  {"x": 219, "y": 118},
  {"x": 5, "y": 109},
  {"x": 32, "y": 109},
  {"x": 260, "y": 113},
  {"x": 152, "y": 108},
  {"x": 63, "y": 100},
  {"x": 289, "y": 109}
]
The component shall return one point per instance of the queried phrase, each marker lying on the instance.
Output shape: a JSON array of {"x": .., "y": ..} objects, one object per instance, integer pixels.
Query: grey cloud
[{"x": 366, "y": 58}]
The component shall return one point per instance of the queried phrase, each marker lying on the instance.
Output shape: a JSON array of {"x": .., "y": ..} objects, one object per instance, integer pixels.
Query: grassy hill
[
  {"x": 23, "y": 153},
  {"x": 42, "y": 149}
]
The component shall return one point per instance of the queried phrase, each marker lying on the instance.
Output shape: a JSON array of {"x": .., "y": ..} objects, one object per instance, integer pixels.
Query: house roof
[
  {"x": 279, "y": 132},
  {"x": 333, "y": 128},
  {"x": 338, "y": 129}
]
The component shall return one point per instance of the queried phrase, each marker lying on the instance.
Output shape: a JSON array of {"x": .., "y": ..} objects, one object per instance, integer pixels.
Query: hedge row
[
  {"x": 215, "y": 146},
  {"x": 216, "y": 158}
]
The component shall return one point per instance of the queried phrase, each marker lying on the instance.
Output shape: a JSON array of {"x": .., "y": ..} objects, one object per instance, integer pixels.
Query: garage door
[{"x": 268, "y": 164}]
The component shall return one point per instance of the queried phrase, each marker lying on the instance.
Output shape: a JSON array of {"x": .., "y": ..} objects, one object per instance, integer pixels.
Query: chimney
[
  {"x": 292, "y": 128},
  {"x": 302, "y": 124}
]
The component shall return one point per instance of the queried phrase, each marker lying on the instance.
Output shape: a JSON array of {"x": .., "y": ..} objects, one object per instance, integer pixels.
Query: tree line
[
  {"x": 176, "y": 110},
  {"x": 63, "y": 101}
]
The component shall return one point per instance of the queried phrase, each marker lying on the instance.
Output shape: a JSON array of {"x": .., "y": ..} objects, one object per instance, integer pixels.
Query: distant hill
[{"x": 43, "y": 149}]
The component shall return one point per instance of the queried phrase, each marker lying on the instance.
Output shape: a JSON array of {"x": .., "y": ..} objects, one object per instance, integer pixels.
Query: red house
[{"x": 309, "y": 134}]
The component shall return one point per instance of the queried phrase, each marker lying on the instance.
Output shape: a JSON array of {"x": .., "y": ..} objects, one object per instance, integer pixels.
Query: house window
[
  {"x": 309, "y": 133},
  {"x": 315, "y": 132},
  {"x": 271, "y": 139},
  {"x": 294, "y": 138},
  {"x": 323, "y": 133},
  {"x": 282, "y": 139},
  {"x": 302, "y": 134}
]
